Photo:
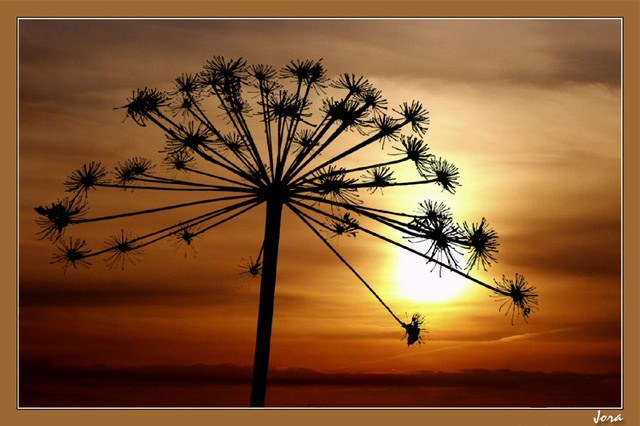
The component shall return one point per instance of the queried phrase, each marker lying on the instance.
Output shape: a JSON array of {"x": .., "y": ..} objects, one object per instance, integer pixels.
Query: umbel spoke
[
  {"x": 402, "y": 246},
  {"x": 307, "y": 221},
  {"x": 238, "y": 136}
]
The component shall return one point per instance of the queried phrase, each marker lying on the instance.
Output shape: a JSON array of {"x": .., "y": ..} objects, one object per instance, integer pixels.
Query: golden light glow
[{"x": 420, "y": 282}]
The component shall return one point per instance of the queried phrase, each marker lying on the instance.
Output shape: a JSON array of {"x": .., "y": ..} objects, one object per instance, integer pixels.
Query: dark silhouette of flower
[
  {"x": 372, "y": 98},
  {"x": 334, "y": 183},
  {"x": 188, "y": 85},
  {"x": 234, "y": 143},
  {"x": 72, "y": 252},
  {"x": 262, "y": 73},
  {"x": 431, "y": 211},
  {"x": 443, "y": 237},
  {"x": 345, "y": 225},
  {"x": 252, "y": 267},
  {"x": 122, "y": 249},
  {"x": 285, "y": 105},
  {"x": 131, "y": 169},
  {"x": 54, "y": 219},
  {"x": 186, "y": 95},
  {"x": 416, "y": 115},
  {"x": 378, "y": 178},
  {"x": 355, "y": 85},
  {"x": 179, "y": 160},
  {"x": 443, "y": 173},
  {"x": 413, "y": 329},
  {"x": 434, "y": 225},
  {"x": 519, "y": 297},
  {"x": 183, "y": 105},
  {"x": 86, "y": 178},
  {"x": 303, "y": 161},
  {"x": 190, "y": 138},
  {"x": 416, "y": 150},
  {"x": 482, "y": 243},
  {"x": 350, "y": 113},
  {"x": 224, "y": 76},
  {"x": 311, "y": 73},
  {"x": 185, "y": 236},
  {"x": 143, "y": 103},
  {"x": 386, "y": 126},
  {"x": 305, "y": 140}
]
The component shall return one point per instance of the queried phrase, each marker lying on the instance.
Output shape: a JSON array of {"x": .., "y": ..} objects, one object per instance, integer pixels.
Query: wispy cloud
[{"x": 524, "y": 336}]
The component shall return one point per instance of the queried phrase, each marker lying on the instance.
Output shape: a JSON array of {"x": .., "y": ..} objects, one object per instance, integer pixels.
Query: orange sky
[{"x": 529, "y": 110}]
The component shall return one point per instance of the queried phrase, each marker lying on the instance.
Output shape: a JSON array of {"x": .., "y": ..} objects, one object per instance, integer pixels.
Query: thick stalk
[{"x": 267, "y": 293}]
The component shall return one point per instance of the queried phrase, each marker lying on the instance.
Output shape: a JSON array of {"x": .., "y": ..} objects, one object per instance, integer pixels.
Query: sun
[{"x": 420, "y": 282}]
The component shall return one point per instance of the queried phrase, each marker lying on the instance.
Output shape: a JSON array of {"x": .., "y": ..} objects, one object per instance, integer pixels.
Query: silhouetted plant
[{"x": 294, "y": 162}]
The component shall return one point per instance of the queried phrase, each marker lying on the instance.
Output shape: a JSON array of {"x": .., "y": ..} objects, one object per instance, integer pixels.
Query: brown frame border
[{"x": 629, "y": 10}]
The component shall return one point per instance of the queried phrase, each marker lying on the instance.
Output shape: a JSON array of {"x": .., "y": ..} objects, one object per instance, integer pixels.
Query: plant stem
[{"x": 267, "y": 294}]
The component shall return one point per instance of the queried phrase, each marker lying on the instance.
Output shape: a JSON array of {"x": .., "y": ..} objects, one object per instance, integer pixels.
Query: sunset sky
[{"x": 528, "y": 110}]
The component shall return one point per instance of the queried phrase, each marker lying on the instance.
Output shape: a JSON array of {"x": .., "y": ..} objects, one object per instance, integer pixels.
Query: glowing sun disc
[{"x": 416, "y": 281}]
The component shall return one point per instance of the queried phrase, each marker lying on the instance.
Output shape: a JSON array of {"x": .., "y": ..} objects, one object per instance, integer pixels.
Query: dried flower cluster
[{"x": 241, "y": 135}]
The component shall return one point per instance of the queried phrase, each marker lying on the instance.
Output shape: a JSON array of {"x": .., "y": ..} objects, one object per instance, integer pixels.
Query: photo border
[{"x": 10, "y": 11}]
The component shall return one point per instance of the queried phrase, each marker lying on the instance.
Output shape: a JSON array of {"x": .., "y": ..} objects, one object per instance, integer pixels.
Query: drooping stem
[
  {"x": 267, "y": 295},
  {"x": 304, "y": 217}
]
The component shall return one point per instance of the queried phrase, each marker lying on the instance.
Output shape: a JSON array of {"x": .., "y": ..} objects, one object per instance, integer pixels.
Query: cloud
[
  {"x": 525, "y": 336},
  {"x": 582, "y": 246},
  {"x": 532, "y": 52},
  {"x": 599, "y": 331},
  {"x": 103, "y": 293}
]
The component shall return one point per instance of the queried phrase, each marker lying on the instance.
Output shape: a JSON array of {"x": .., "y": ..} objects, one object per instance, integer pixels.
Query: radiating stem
[
  {"x": 214, "y": 176},
  {"x": 397, "y": 244},
  {"x": 208, "y": 188},
  {"x": 304, "y": 217},
  {"x": 349, "y": 151},
  {"x": 158, "y": 209}
]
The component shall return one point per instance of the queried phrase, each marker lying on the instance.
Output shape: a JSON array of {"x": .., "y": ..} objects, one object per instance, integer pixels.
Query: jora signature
[{"x": 601, "y": 418}]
